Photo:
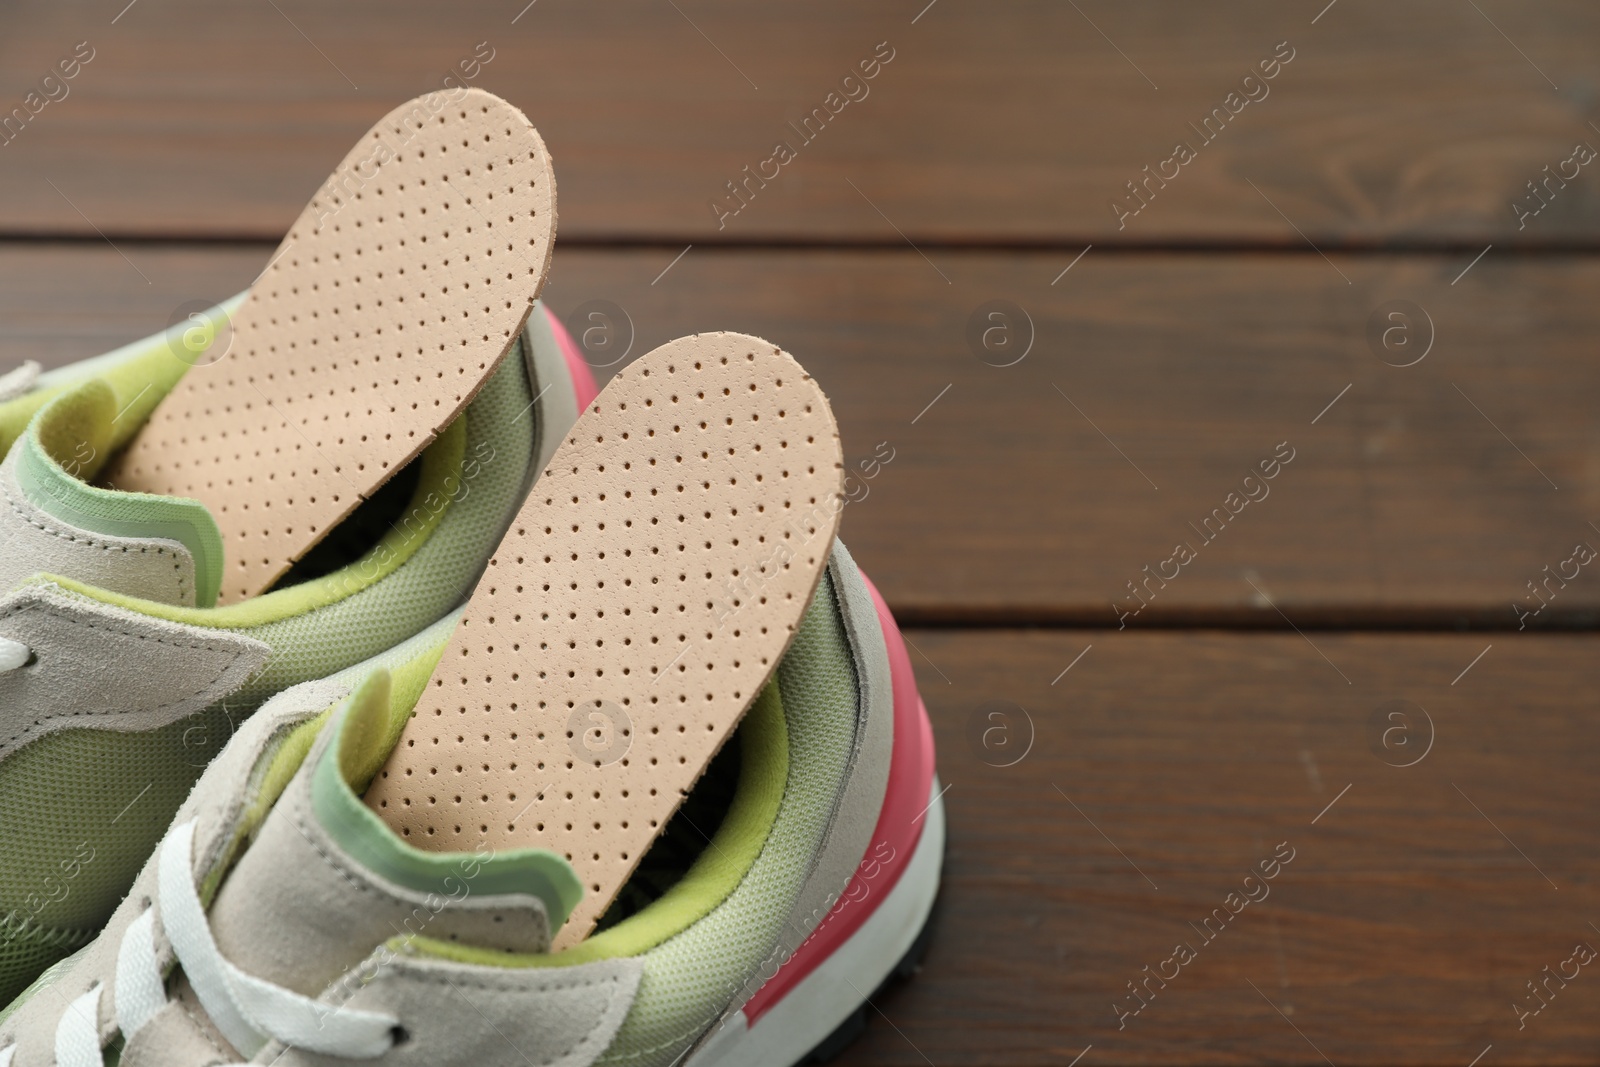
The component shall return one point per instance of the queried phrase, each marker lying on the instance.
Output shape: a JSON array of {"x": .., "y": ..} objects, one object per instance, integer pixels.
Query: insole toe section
[{"x": 394, "y": 296}]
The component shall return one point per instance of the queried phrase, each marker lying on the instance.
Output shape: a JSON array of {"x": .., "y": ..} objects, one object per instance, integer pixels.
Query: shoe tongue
[
  {"x": 326, "y": 884},
  {"x": 54, "y": 462}
]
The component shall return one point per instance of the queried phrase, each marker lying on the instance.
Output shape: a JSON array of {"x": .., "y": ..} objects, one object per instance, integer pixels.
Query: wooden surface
[
  {"x": 1401, "y": 932},
  {"x": 1167, "y": 362},
  {"x": 1415, "y": 122}
]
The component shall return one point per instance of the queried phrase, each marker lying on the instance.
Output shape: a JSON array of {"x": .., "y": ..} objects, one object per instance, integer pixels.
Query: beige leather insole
[
  {"x": 641, "y": 600},
  {"x": 394, "y": 296}
]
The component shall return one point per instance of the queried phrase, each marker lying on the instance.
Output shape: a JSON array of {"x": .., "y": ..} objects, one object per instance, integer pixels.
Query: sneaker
[
  {"x": 132, "y": 641},
  {"x": 381, "y": 867}
]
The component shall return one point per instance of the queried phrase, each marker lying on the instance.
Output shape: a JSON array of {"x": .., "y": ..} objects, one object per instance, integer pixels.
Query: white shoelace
[
  {"x": 13, "y": 655},
  {"x": 248, "y": 1011}
]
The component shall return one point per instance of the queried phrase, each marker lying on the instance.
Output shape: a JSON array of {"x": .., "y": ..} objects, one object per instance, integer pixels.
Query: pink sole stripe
[
  {"x": 582, "y": 377},
  {"x": 894, "y": 840}
]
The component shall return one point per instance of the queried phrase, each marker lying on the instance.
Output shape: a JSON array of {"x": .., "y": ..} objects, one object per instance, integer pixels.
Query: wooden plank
[
  {"x": 1415, "y": 908},
  {"x": 1005, "y": 500},
  {"x": 1155, "y": 386},
  {"x": 1417, "y": 122},
  {"x": 60, "y": 303}
]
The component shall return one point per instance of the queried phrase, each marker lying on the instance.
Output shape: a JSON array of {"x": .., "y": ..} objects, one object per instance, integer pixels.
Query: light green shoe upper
[
  {"x": 305, "y": 890},
  {"x": 85, "y": 795}
]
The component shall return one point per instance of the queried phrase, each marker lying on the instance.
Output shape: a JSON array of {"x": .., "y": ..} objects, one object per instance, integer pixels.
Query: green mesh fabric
[
  {"x": 111, "y": 795},
  {"x": 28, "y": 949},
  {"x": 690, "y": 978}
]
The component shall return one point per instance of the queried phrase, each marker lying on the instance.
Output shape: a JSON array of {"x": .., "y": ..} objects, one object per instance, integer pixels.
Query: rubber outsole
[
  {"x": 825, "y": 1010},
  {"x": 847, "y": 1032}
]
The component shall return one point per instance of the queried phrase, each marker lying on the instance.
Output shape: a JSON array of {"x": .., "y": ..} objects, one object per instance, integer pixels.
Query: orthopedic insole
[
  {"x": 640, "y": 601},
  {"x": 395, "y": 295}
]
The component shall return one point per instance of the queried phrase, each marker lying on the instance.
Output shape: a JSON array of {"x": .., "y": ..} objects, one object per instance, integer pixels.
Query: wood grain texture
[
  {"x": 1155, "y": 385},
  {"x": 65, "y": 302},
  {"x": 1417, "y": 122},
  {"x": 1421, "y": 899},
  {"x": 1404, "y": 503},
  {"x": 1412, "y": 914}
]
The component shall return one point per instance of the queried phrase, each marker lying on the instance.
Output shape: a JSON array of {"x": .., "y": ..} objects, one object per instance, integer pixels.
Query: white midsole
[{"x": 823, "y": 999}]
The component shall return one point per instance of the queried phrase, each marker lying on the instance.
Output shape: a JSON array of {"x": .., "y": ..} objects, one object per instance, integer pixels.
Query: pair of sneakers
[{"x": 372, "y": 690}]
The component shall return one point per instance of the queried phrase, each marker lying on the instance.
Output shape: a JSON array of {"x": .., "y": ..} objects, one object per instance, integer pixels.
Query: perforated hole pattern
[
  {"x": 397, "y": 292},
  {"x": 660, "y": 569}
]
